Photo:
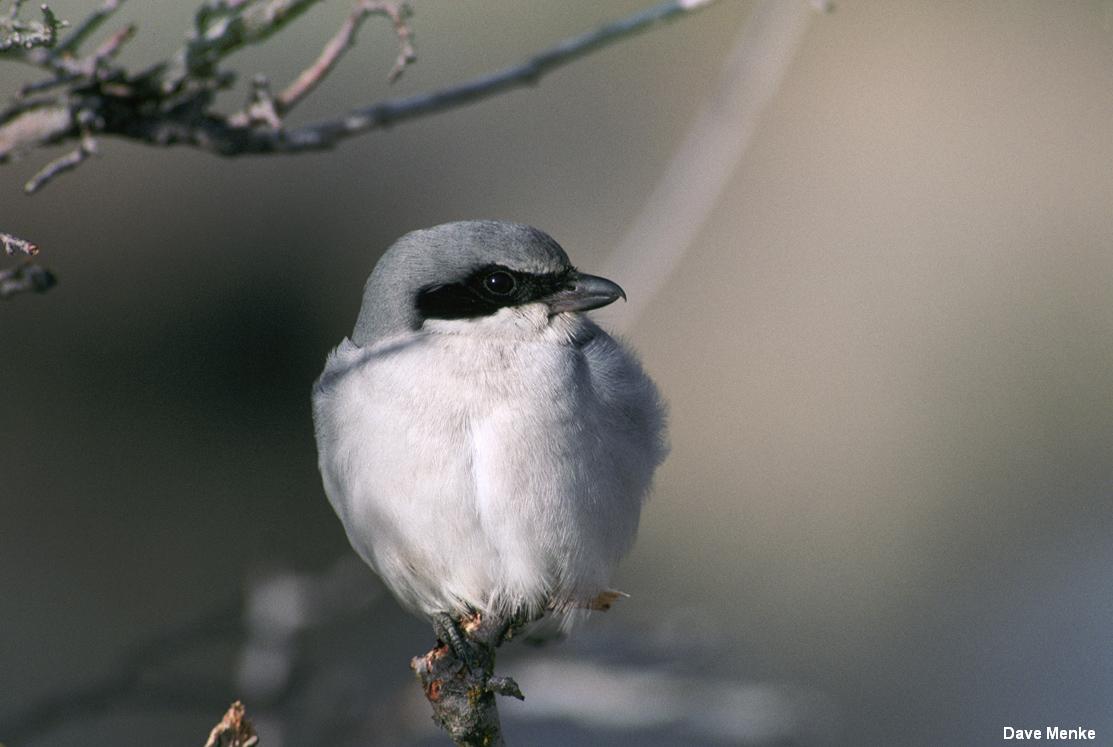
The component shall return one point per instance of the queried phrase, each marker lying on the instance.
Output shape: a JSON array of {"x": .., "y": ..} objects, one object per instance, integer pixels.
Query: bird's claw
[{"x": 448, "y": 632}]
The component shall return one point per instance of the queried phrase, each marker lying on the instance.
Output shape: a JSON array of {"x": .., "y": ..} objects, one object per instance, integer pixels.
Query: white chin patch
[{"x": 527, "y": 321}]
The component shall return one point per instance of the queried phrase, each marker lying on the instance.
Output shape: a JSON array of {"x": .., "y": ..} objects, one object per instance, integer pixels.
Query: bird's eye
[{"x": 500, "y": 283}]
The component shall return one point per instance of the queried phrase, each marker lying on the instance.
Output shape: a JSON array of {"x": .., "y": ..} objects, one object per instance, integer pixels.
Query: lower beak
[{"x": 585, "y": 292}]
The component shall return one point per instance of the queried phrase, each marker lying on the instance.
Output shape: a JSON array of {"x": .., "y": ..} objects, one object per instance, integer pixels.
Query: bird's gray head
[{"x": 468, "y": 270}]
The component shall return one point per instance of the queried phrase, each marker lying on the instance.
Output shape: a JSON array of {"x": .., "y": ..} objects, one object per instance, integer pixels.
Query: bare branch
[
  {"x": 168, "y": 114},
  {"x": 86, "y": 28},
  {"x": 261, "y": 107},
  {"x": 223, "y": 26},
  {"x": 60, "y": 60},
  {"x": 26, "y": 277},
  {"x": 267, "y": 109},
  {"x": 17, "y": 36},
  {"x": 407, "y": 55},
  {"x": 343, "y": 40},
  {"x": 327, "y": 134},
  {"x": 59, "y": 166},
  {"x": 110, "y": 48},
  {"x": 171, "y": 102},
  {"x": 60, "y": 79},
  {"x": 68, "y": 70}
]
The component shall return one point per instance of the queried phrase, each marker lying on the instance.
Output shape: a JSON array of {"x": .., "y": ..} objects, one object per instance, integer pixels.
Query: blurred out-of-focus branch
[
  {"x": 87, "y": 94},
  {"x": 307, "y": 662},
  {"x": 234, "y": 730}
]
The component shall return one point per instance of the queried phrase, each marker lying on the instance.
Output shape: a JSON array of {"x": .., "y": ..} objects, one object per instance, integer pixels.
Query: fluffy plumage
[{"x": 495, "y": 461}]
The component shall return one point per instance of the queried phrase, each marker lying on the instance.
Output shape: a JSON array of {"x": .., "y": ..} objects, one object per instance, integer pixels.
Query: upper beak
[{"x": 585, "y": 292}]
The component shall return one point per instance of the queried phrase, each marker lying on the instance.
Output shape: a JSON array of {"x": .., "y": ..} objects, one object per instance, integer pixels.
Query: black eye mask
[{"x": 487, "y": 290}]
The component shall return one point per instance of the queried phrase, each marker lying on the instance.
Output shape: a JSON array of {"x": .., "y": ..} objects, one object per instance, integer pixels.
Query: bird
[{"x": 487, "y": 447}]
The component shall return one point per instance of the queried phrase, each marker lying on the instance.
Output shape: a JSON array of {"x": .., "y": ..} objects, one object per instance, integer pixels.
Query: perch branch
[{"x": 463, "y": 696}]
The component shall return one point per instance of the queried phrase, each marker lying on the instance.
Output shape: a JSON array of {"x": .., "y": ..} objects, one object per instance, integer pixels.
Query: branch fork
[
  {"x": 87, "y": 96},
  {"x": 263, "y": 108}
]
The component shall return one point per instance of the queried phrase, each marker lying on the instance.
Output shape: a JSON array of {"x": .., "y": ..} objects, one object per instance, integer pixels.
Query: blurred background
[{"x": 888, "y": 350}]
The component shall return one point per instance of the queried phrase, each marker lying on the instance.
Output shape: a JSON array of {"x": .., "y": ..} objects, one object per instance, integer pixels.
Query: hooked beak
[{"x": 585, "y": 292}]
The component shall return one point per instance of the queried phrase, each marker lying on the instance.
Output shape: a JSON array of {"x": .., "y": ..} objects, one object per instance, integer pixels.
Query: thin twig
[
  {"x": 261, "y": 106},
  {"x": 68, "y": 69},
  {"x": 86, "y": 28},
  {"x": 407, "y": 55},
  {"x": 221, "y": 28},
  {"x": 15, "y": 245},
  {"x": 110, "y": 48},
  {"x": 267, "y": 109},
  {"x": 324, "y": 135},
  {"x": 157, "y": 107},
  {"x": 59, "y": 166},
  {"x": 61, "y": 79},
  {"x": 341, "y": 42}
]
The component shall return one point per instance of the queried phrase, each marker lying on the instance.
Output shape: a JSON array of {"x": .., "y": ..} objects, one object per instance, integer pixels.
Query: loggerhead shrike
[{"x": 487, "y": 447}]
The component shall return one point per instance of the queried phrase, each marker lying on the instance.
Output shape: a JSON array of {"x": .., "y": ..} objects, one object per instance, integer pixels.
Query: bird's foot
[{"x": 448, "y": 632}]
